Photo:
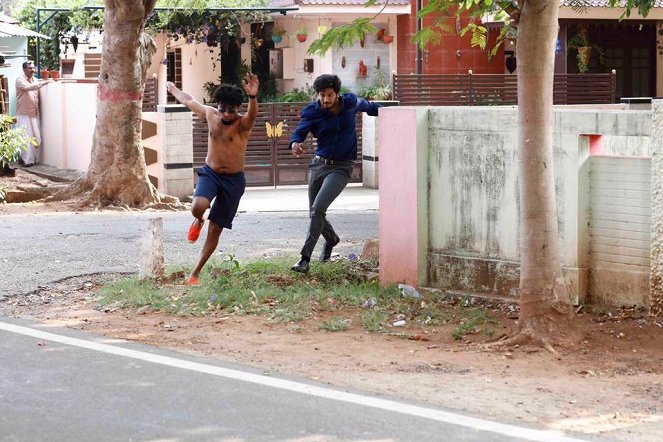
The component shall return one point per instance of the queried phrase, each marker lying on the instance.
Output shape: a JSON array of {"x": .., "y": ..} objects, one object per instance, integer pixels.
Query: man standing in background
[{"x": 27, "y": 111}]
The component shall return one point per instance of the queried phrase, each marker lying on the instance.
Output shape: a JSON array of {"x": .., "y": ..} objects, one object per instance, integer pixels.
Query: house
[
  {"x": 632, "y": 46},
  {"x": 13, "y": 52},
  {"x": 294, "y": 68}
]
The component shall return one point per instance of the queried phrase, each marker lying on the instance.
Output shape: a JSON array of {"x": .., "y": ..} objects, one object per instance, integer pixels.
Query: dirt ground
[{"x": 610, "y": 386}]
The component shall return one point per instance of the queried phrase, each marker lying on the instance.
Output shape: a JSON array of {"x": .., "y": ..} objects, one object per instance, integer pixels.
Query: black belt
[{"x": 329, "y": 161}]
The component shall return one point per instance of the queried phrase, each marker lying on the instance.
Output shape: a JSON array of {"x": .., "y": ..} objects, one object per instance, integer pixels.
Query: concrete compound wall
[
  {"x": 470, "y": 196},
  {"x": 68, "y": 119}
]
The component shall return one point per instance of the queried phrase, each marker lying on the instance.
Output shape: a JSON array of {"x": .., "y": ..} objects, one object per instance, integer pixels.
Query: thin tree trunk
[{"x": 545, "y": 307}]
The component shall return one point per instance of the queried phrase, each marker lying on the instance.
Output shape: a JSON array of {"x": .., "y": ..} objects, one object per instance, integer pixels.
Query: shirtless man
[{"x": 222, "y": 177}]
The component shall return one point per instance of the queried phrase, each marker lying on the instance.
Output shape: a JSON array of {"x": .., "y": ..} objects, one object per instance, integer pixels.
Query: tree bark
[
  {"x": 117, "y": 174},
  {"x": 545, "y": 308}
]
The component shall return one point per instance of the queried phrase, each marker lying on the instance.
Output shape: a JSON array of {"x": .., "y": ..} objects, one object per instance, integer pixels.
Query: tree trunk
[
  {"x": 117, "y": 173},
  {"x": 545, "y": 308}
]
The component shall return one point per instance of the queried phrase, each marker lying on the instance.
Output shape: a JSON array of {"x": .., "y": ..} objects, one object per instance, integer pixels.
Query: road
[
  {"x": 45, "y": 247},
  {"x": 63, "y": 385}
]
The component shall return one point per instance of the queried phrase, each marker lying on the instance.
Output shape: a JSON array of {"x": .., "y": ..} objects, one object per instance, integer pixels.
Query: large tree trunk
[
  {"x": 117, "y": 173},
  {"x": 545, "y": 308}
]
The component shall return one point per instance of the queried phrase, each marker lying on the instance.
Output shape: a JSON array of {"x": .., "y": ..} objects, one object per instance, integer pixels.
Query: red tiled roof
[{"x": 282, "y": 3}]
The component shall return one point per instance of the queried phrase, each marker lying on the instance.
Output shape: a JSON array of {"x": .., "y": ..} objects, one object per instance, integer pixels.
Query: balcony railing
[{"x": 496, "y": 89}]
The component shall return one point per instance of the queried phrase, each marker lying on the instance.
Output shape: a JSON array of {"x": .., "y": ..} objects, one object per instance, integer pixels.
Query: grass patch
[
  {"x": 374, "y": 321},
  {"x": 342, "y": 290},
  {"x": 335, "y": 324},
  {"x": 477, "y": 321}
]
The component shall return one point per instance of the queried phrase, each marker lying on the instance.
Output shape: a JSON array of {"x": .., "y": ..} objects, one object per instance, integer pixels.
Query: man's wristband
[{"x": 252, "y": 96}]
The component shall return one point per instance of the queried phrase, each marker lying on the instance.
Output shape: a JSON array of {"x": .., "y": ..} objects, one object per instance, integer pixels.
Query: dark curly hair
[
  {"x": 325, "y": 81},
  {"x": 229, "y": 94}
]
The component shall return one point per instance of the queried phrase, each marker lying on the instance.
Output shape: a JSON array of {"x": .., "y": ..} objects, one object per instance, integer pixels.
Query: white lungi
[{"x": 31, "y": 126}]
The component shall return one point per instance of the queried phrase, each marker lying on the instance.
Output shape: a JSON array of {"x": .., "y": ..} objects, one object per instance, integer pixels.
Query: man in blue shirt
[{"x": 331, "y": 119}]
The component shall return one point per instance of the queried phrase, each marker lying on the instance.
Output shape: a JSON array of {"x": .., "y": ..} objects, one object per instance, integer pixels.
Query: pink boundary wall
[{"x": 402, "y": 229}]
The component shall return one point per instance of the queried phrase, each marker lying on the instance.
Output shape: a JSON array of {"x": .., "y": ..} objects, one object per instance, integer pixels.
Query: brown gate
[{"x": 269, "y": 161}]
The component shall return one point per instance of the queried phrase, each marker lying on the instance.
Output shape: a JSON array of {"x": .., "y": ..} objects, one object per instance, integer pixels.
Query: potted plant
[
  {"x": 209, "y": 87},
  {"x": 580, "y": 42},
  {"x": 54, "y": 73},
  {"x": 43, "y": 73},
  {"x": 302, "y": 33},
  {"x": 383, "y": 34},
  {"x": 13, "y": 140},
  {"x": 277, "y": 34}
]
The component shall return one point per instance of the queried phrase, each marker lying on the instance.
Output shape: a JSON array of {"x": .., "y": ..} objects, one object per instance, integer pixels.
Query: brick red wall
[{"x": 445, "y": 58}]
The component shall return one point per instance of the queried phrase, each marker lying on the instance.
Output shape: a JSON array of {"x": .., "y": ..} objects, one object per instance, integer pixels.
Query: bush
[{"x": 13, "y": 140}]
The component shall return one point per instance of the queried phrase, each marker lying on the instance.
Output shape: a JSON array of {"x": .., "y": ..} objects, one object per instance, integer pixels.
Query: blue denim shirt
[{"x": 336, "y": 134}]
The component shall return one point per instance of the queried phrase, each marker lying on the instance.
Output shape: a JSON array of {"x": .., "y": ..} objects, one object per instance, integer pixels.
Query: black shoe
[
  {"x": 301, "y": 266},
  {"x": 327, "y": 249}
]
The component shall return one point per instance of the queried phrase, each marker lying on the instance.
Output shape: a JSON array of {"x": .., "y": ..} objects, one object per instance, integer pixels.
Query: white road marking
[{"x": 298, "y": 387}]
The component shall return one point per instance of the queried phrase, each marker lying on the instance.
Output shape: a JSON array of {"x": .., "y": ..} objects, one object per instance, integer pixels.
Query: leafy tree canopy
[
  {"x": 443, "y": 11},
  {"x": 188, "y": 19}
]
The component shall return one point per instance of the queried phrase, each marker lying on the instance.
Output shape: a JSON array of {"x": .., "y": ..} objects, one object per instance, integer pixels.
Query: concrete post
[
  {"x": 151, "y": 253},
  {"x": 369, "y": 151},
  {"x": 656, "y": 269},
  {"x": 403, "y": 228},
  {"x": 177, "y": 154}
]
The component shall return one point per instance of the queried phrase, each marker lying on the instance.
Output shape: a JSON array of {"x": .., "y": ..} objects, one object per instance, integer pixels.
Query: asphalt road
[
  {"x": 41, "y": 248},
  {"x": 63, "y": 385}
]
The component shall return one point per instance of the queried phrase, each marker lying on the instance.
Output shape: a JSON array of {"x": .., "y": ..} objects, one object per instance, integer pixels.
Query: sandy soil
[{"x": 611, "y": 385}]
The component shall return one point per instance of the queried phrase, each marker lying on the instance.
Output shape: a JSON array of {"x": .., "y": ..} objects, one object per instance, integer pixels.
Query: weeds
[
  {"x": 335, "y": 324},
  {"x": 479, "y": 321},
  {"x": 340, "y": 291}
]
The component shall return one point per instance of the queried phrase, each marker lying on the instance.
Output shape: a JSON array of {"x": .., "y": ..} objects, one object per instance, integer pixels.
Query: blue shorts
[{"x": 225, "y": 189}]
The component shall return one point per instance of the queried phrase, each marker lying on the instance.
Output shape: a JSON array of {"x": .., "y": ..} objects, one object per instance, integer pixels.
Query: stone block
[{"x": 371, "y": 250}]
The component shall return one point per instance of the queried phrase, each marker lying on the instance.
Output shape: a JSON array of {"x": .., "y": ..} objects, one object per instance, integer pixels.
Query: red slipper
[
  {"x": 194, "y": 230},
  {"x": 192, "y": 280}
]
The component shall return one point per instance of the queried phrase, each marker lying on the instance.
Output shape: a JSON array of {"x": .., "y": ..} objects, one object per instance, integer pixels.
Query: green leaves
[
  {"x": 342, "y": 36},
  {"x": 13, "y": 140}
]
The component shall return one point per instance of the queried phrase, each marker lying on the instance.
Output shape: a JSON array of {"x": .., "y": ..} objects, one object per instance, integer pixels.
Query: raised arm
[
  {"x": 369, "y": 107},
  {"x": 187, "y": 100},
  {"x": 251, "y": 85},
  {"x": 23, "y": 85}
]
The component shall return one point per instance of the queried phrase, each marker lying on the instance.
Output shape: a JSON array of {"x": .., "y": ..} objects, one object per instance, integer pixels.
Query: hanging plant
[
  {"x": 277, "y": 33},
  {"x": 302, "y": 34}
]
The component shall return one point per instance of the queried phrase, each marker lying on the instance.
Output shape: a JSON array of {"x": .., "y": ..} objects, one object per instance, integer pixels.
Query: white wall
[
  {"x": 331, "y": 62},
  {"x": 68, "y": 118},
  {"x": 473, "y": 196},
  {"x": 620, "y": 229},
  {"x": 20, "y": 46},
  {"x": 200, "y": 64}
]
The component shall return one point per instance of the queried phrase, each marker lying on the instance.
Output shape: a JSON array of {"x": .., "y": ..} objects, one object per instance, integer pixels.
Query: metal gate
[{"x": 269, "y": 161}]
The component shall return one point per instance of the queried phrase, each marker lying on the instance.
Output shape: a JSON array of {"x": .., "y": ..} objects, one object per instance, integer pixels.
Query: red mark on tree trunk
[{"x": 115, "y": 96}]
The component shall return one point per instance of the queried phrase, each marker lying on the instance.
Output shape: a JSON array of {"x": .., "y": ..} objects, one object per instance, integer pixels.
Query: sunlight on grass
[
  {"x": 348, "y": 290},
  {"x": 335, "y": 324}
]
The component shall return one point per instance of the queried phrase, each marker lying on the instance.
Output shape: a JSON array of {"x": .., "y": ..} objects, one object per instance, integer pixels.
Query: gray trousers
[{"x": 325, "y": 183}]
